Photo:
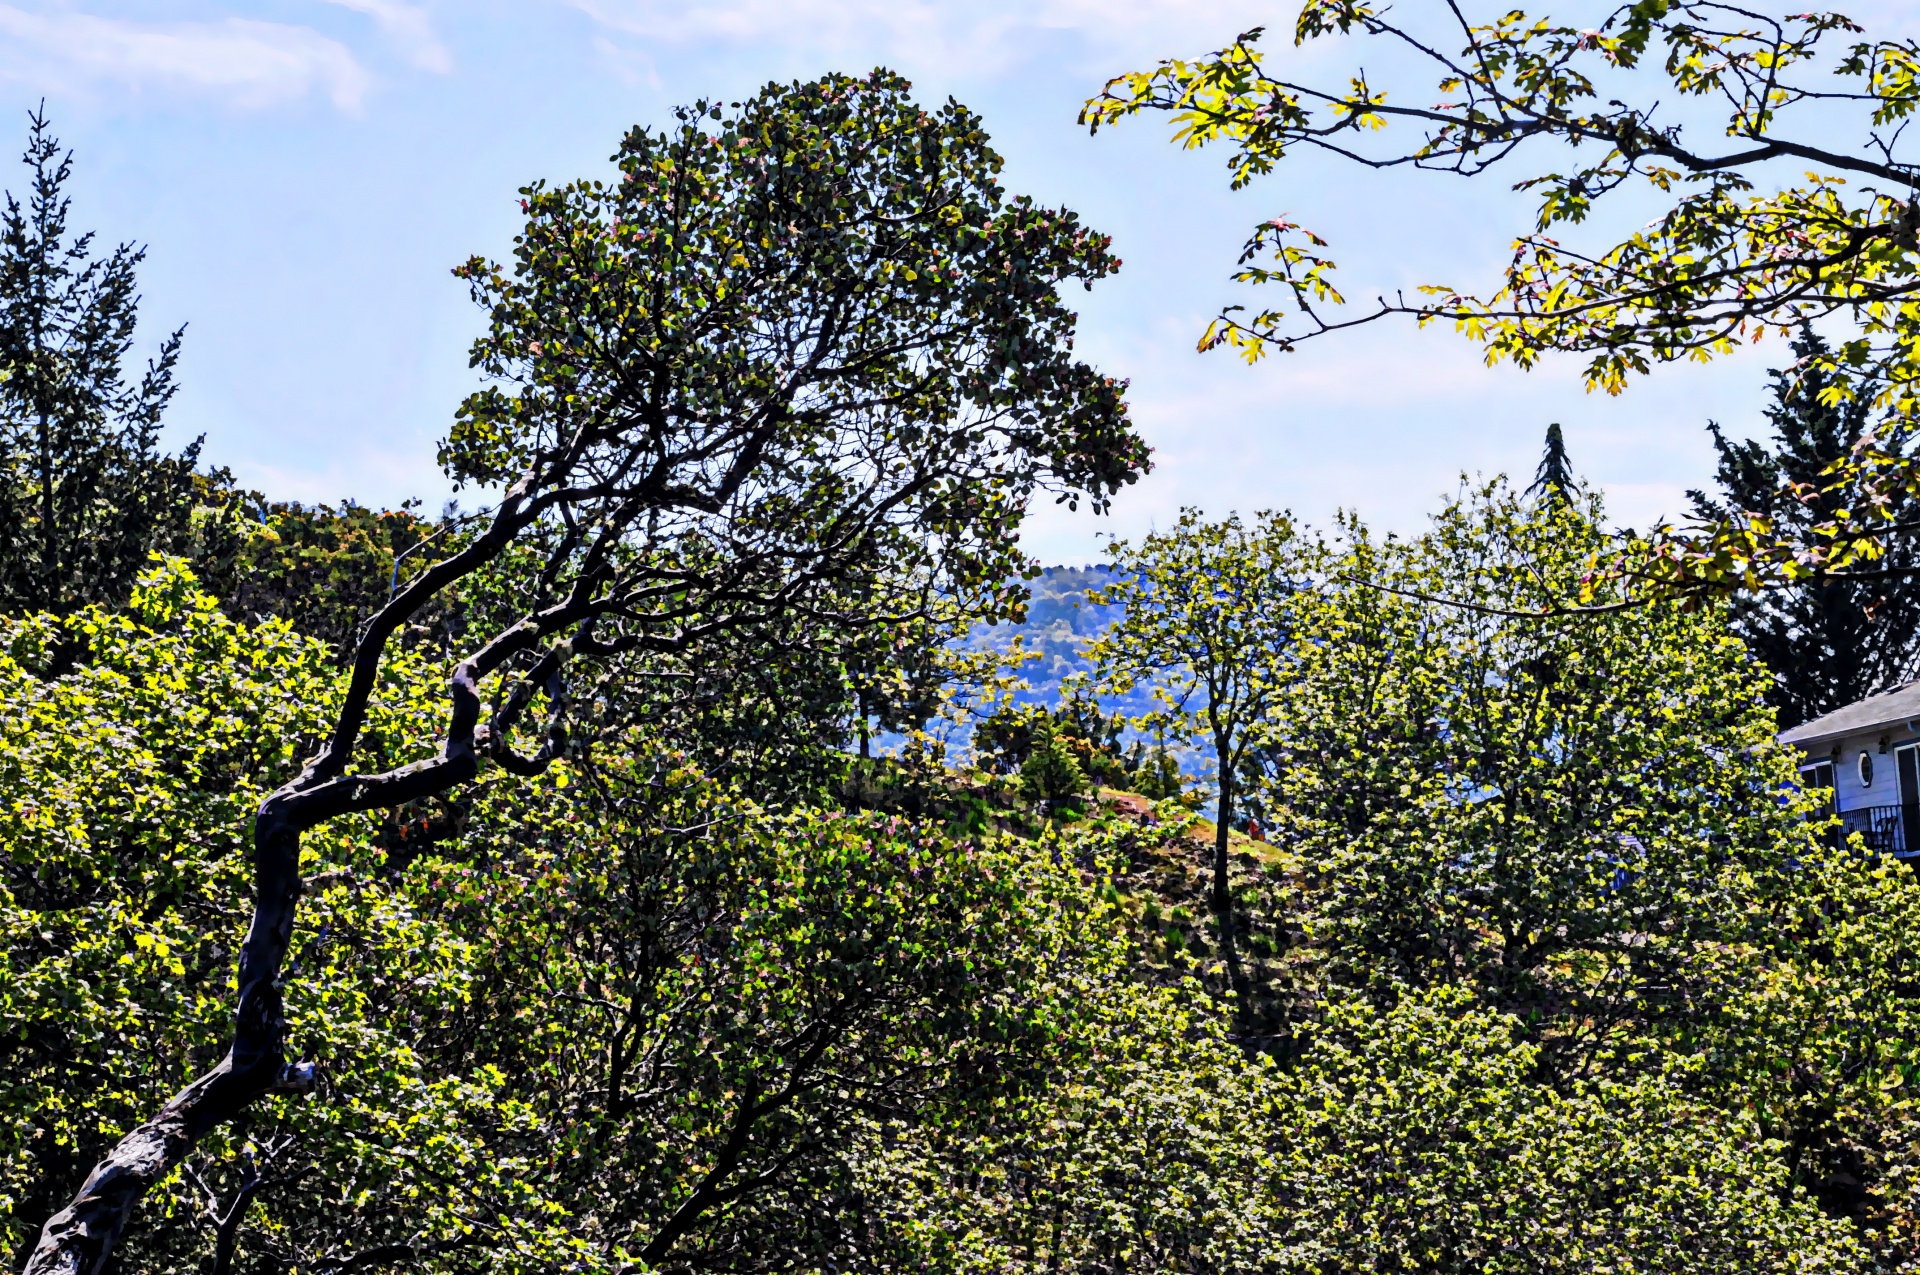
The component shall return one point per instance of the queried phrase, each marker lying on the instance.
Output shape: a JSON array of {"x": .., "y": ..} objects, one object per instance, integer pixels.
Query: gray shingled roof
[{"x": 1895, "y": 707}]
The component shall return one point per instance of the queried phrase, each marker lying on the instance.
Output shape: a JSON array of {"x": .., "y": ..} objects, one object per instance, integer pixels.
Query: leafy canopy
[
  {"x": 612, "y": 1016},
  {"x": 1558, "y": 811},
  {"x": 1209, "y": 624},
  {"x": 1725, "y": 261},
  {"x": 810, "y": 322},
  {"x": 803, "y": 361},
  {"x": 1827, "y": 642},
  {"x": 1771, "y": 145}
]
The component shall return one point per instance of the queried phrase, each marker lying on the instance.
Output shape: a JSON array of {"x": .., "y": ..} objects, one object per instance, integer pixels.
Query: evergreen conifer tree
[
  {"x": 85, "y": 493},
  {"x": 1554, "y": 479},
  {"x": 1051, "y": 775},
  {"x": 1827, "y": 642},
  {"x": 1159, "y": 776}
]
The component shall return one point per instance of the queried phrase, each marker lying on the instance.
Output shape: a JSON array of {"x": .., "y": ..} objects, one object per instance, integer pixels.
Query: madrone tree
[
  {"x": 799, "y": 348},
  {"x": 1772, "y": 142}
]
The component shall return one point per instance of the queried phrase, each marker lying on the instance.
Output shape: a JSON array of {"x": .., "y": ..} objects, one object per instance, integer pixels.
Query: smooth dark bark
[
  {"x": 638, "y": 495},
  {"x": 1222, "y": 876},
  {"x": 78, "y": 1239},
  {"x": 227, "y": 1225}
]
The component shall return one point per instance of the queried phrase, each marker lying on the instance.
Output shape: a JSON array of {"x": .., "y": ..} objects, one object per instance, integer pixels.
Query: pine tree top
[{"x": 1554, "y": 479}]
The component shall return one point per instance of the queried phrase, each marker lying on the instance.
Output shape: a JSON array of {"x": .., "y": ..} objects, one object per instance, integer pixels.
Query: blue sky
[{"x": 306, "y": 172}]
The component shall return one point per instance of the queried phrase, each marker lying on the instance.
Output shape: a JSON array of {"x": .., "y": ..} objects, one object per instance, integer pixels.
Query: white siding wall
[{"x": 1885, "y": 790}]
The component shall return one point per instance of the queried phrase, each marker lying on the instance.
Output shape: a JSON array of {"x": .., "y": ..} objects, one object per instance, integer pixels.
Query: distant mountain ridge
[{"x": 1060, "y": 623}]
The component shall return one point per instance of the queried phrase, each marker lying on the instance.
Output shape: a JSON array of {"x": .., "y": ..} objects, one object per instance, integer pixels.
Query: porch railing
[{"x": 1889, "y": 830}]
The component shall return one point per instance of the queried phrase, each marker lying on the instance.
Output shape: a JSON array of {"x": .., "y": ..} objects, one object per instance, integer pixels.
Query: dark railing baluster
[{"x": 1888, "y": 830}]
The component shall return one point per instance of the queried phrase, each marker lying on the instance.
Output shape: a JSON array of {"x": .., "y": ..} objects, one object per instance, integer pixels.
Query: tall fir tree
[
  {"x": 1554, "y": 479},
  {"x": 1827, "y": 642},
  {"x": 85, "y": 492}
]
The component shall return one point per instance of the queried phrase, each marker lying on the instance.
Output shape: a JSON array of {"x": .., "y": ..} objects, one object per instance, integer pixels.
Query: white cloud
[
  {"x": 250, "y": 64},
  {"x": 409, "y": 27},
  {"x": 979, "y": 37}
]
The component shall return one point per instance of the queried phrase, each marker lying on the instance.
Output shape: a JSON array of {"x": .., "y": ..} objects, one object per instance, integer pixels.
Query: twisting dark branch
[
  {"x": 753, "y": 380},
  {"x": 1725, "y": 263},
  {"x": 226, "y": 1225}
]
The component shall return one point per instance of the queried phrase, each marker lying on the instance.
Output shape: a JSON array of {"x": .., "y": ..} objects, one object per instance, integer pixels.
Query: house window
[
  {"x": 1866, "y": 769},
  {"x": 1818, "y": 777}
]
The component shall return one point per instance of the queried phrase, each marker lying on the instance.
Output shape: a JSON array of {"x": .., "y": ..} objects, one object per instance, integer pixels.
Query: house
[{"x": 1868, "y": 755}]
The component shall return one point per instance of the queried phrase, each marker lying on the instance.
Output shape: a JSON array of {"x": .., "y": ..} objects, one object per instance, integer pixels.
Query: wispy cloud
[
  {"x": 974, "y": 36},
  {"x": 409, "y": 27},
  {"x": 250, "y": 64}
]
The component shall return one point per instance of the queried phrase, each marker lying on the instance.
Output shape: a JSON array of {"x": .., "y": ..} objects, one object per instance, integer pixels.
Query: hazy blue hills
[{"x": 1061, "y": 621}]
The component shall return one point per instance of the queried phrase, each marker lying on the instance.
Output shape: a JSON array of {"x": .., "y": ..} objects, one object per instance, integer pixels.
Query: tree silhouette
[
  {"x": 1828, "y": 642},
  {"x": 1554, "y": 479},
  {"x": 1581, "y": 118},
  {"x": 804, "y": 356},
  {"x": 85, "y": 493}
]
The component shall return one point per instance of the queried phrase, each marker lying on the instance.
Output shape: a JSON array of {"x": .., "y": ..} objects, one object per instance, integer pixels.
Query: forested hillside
[
  {"x": 1047, "y": 652},
  {"x": 1061, "y": 620},
  {"x": 522, "y": 890}
]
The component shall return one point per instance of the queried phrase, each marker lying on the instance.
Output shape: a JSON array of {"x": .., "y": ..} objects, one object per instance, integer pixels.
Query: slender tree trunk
[
  {"x": 1222, "y": 880},
  {"x": 49, "y": 536},
  {"x": 78, "y": 1239},
  {"x": 227, "y": 1227}
]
